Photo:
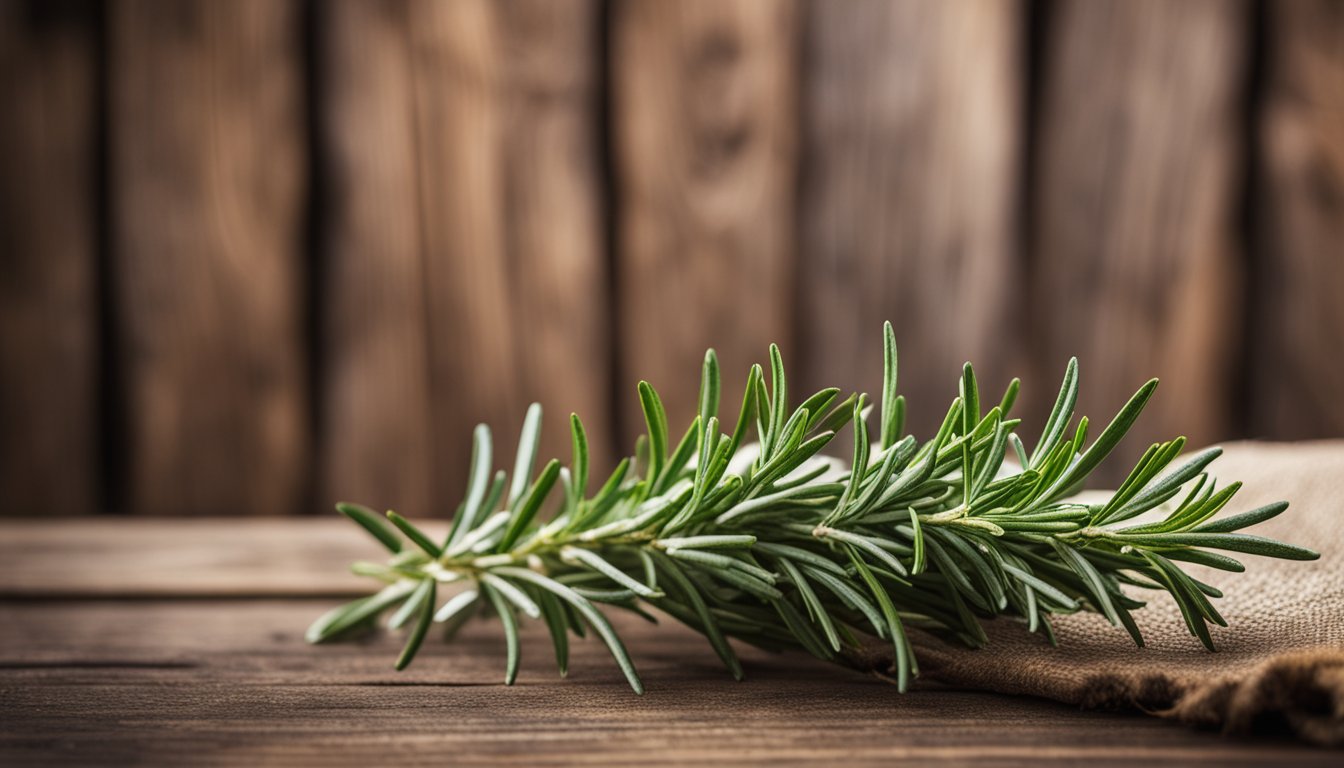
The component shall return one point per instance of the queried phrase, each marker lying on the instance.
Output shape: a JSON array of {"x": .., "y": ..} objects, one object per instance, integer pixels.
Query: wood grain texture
[
  {"x": 207, "y": 185},
  {"x": 467, "y": 272},
  {"x": 1135, "y": 241},
  {"x": 306, "y": 724},
  {"x": 704, "y": 117},
  {"x": 114, "y": 673},
  {"x": 555, "y": 237},
  {"x": 911, "y": 133},
  {"x": 107, "y": 557},
  {"x": 48, "y": 259},
  {"x": 1297, "y": 316},
  {"x": 472, "y": 331},
  {"x": 188, "y": 681},
  {"x": 376, "y": 445}
]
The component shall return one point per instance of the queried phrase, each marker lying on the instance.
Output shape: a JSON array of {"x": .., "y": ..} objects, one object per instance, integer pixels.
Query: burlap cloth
[{"x": 1280, "y": 662}]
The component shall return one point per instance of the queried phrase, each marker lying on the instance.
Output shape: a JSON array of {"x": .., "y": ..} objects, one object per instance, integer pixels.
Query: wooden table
[{"x": 131, "y": 640}]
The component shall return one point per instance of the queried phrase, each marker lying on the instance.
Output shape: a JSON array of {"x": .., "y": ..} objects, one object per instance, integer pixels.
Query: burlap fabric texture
[{"x": 1280, "y": 662}]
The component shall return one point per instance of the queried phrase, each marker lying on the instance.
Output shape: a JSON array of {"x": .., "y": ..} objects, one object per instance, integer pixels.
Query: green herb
[{"x": 777, "y": 545}]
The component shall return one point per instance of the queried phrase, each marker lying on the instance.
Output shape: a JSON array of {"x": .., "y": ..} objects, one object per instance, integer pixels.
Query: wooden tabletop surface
[{"x": 171, "y": 642}]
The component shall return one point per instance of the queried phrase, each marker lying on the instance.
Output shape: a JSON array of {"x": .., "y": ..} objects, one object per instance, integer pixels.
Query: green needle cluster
[{"x": 744, "y": 529}]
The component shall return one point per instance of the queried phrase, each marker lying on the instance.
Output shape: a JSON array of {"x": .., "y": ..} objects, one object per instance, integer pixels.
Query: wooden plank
[
  {"x": 910, "y": 177},
  {"x": 224, "y": 680},
  {"x": 195, "y": 557},
  {"x": 207, "y": 175},
  {"x": 472, "y": 355},
  {"x": 553, "y": 198},
  {"x": 704, "y": 114},
  {"x": 376, "y": 433},
  {"x": 1297, "y": 317},
  {"x": 467, "y": 270},
  {"x": 1135, "y": 235},
  {"x": 48, "y": 309}
]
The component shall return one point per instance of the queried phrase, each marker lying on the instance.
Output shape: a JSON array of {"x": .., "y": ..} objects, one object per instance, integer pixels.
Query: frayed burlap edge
[
  {"x": 1301, "y": 692},
  {"x": 1304, "y": 691}
]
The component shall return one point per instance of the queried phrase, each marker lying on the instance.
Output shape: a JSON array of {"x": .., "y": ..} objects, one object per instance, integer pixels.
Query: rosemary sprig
[{"x": 779, "y": 546}]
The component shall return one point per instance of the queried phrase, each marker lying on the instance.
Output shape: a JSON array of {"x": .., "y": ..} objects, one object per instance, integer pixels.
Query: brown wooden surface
[
  {"x": 132, "y": 666},
  {"x": 908, "y": 202},
  {"x": 555, "y": 238},
  {"x": 207, "y": 172},
  {"x": 48, "y": 332},
  {"x": 468, "y": 273},
  {"x": 1135, "y": 229},
  {"x": 107, "y": 557},
  {"x": 375, "y": 391},
  {"x": 1299, "y": 320},
  {"x": 706, "y": 152},
  {"x": 458, "y": 118}
]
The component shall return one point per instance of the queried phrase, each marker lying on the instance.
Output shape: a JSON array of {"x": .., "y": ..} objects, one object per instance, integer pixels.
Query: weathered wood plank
[
  {"x": 704, "y": 117},
  {"x": 468, "y": 272},
  {"x": 199, "y": 681},
  {"x": 1135, "y": 235},
  {"x": 1297, "y": 316},
  {"x": 207, "y": 168},
  {"x": 186, "y": 558},
  {"x": 458, "y": 121},
  {"x": 376, "y": 446},
  {"x": 48, "y": 250},
  {"x": 555, "y": 236},
  {"x": 909, "y": 185}
]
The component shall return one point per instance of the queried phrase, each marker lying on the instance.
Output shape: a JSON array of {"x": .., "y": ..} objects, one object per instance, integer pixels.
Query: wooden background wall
[{"x": 259, "y": 255}]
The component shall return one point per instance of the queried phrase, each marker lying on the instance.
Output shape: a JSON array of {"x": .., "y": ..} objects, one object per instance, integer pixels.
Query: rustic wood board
[
  {"x": 48, "y": 308},
  {"x": 233, "y": 680},
  {"x": 1297, "y": 318},
  {"x": 1134, "y": 235},
  {"x": 555, "y": 237},
  {"x": 139, "y": 678},
  {"x": 374, "y": 387},
  {"x": 463, "y": 213},
  {"x": 145, "y": 557},
  {"x": 206, "y": 180},
  {"x": 705, "y": 154},
  {"x": 908, "y": 198}
]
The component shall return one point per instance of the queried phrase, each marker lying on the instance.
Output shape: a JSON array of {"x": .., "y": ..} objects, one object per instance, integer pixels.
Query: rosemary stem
[{"x": 770, "y": 545}]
